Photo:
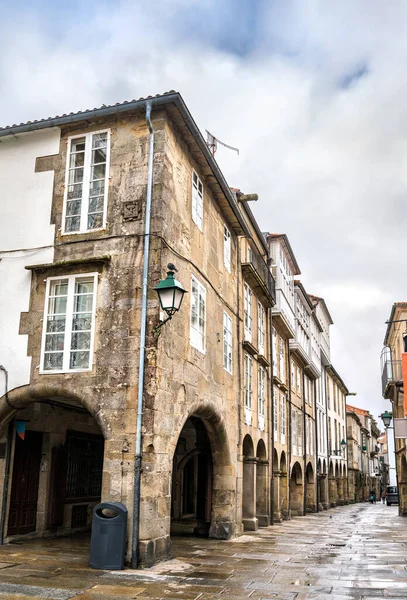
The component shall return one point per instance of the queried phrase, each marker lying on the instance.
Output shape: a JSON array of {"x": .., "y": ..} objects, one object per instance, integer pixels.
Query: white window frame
[
  {"x": 86, "y": 181},
  {"x": 274, "y": 336},
  {"x": 197, "y": 201},
  {"x": 261, "y": 396},
  {"x": 300, "y": 433},
  {"x": 306, "y": 389},
  {"x": 227, "y": 343},
  {"x": 227, "y": 248},
  {"x": 275, "y": 414},
  {"x": 248, "y": 296},
  {"x": 282, "y": 360},
  {"x": 261, "y": 332},
  {"x": 282, "y": 418},
  {"x": 68, "y": 323},
  {"x": 292, "y": 375},
  {"x": 198, "y": 337},
  {"x": 298, "y": 381},
  {"x": 248, "y": 388}
]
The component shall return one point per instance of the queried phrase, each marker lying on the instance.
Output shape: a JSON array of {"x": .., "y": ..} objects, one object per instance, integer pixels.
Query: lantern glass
[
  {"x": 170, "y": 293},
  {"x": 386, "y": 418}
]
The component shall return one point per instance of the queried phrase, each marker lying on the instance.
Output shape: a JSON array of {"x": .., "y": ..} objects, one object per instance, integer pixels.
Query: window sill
[{"x": 70, "y": 372}]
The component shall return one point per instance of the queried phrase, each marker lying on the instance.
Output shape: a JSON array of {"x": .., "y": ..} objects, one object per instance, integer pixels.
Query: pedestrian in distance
[{"x": 384, "y": 497}]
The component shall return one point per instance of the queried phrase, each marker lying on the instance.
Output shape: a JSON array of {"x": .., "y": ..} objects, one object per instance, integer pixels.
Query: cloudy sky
[{"x": 312, "y": 92}]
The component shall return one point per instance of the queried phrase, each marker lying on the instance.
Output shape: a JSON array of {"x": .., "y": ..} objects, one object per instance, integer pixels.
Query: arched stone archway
[
  {"x": 284, "y": 487},
  {"x": 69, "y": 444},
  {"x": 310, "y": 489},
  {"x": 249, "y": 519},
  {"x": 296, "y": 490},
  {"x": 262, "y": 488}
]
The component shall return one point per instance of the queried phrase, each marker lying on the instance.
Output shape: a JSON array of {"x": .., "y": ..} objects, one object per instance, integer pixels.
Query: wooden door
[
  {"x": 24, "y": 487},
  {"x": 57, "y": 487}
]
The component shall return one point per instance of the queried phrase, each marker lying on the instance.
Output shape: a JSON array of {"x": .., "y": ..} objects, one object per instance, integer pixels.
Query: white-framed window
[
  {"x": 299, "y": 431},
  {"x": 260, "y": 392},
  {"x": 306, "y": 389},
  {"x": 69, "y": 323},
  {"x": 248, "y": 370},
  {"x": 282, "y": 418},
  {"x": 275, "y": 414},
  {"x": 247, "y": 312},
  {"x": 292, "y": 375},
  {"x": 260, "y": 327},
  {"x": 311, "y": 437},
  {"x": 226, "y": 248},
  {"x": 86, "y": 182},
  {"x": 298, "y": 381},
  {"x": 227, "y": 343},
  {"x": 197, "y": 201},
  {"x": 282, "y": 360},
  {"x": 274, "y": 336},
  {"x": 198, "y": 315},
  {"x": 293, "y": 431}
]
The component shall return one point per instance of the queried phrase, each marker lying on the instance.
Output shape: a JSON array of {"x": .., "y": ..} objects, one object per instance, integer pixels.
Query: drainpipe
[
  {"x": 304, "y": 441},
  {"x": 316, "y": 445},
  {"x": 271, "y": 412},
  {"x": 328, "y": 433},
  {"x": 137, "y": 463},
  {"x": 289, "y": 445}
]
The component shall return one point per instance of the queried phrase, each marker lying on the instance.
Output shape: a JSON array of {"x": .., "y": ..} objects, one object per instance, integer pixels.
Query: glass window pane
[
  {"x": 96, "y": 204},
  {"x": 75, "y": 176},
  {"x": 73, "y": 208},
  {"x": 58, "y": 287},
  {"x": 54, "y": 341},
  {"x": 98, "y": 171},
  {"x": 82, "y": 323},
  {"x": 84, "y": 286},
  {"x": 97, "y": 188},
  {"x": 53, "y": 361},
  {"x": 83, "y": 303},
  {"x": 95, "y": 221},
  {"x": 99, "y": 140},
  {"x": 77, "y": 160},
  {"x": 72, "y": 224},
  {"x": 57, "y": 305},
  {"x": 79, "y": 359},
  {"x": 99, "y": 156},
  {"x": 78, "y": 144},
  {"x": 56, "y": 323},
  {"x": 74, "y": 191},
  {"x": 80, "y": 341}
]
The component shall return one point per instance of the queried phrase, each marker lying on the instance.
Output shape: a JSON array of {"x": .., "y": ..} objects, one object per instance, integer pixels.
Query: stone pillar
[
  {"x": 249, "y": 520},
  {"x": 284, "y": 496},
  {"x": 311, "y": 505},
  {"x": 277, "y": 518},
  {"x": 262, "y": 493},
  {"x": 332, "y": 492},
  {"x": 324, "y": 492}
]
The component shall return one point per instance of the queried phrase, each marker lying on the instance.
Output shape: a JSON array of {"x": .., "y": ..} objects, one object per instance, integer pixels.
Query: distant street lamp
[{"x": 170, "y": 293}]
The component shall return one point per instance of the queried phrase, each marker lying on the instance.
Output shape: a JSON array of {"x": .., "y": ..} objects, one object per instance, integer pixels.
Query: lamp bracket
[{"x": 157, "y": 328}]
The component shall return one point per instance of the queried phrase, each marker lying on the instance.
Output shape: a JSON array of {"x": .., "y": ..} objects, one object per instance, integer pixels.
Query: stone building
[
  {"x": 284, "y": 267},
  {"x": 336, "y": 394},
  {"x": 86, "y": 375},
  {"x": 393, "y": 390},
  {"x": 354, "y": 440}
]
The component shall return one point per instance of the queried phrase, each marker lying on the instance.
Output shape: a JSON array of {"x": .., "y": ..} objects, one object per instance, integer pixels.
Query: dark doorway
[
  {"x": 24, "y": 487},
  {"x": 191, "y": 502}
]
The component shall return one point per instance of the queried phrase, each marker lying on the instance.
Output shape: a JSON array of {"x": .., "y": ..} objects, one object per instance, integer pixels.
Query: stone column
[
  {"x": 262, "y": 493},
  {"x": 284, "y": 495},
  {"x": 277, "y": 518},
  {"x": 249, "y": 520},
  {"x": 332, "y": 492}
]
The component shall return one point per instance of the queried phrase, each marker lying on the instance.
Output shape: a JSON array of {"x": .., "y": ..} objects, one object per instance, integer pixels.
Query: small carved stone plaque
[{"x": 131, "y": 210}]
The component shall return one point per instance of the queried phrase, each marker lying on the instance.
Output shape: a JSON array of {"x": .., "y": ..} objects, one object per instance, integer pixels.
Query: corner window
[
  {"x": 226, "y": 248},
  {"x": 260, "y": 328},
  {"x": 248, "y": 368},
  {"x": 197, "y": 201},
  {"x": 86, "y": 182},
  {"x": 69, "y": 323},
  {"x": 247, "y": 312},
  {"x": 227, "y": 343},
  {"x": 198, "y": 315}
]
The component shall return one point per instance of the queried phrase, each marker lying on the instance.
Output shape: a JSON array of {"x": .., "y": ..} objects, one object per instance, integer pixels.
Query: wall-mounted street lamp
[
  {"x": 170, "y": 293},
  {"x": 386, "y": 417}
]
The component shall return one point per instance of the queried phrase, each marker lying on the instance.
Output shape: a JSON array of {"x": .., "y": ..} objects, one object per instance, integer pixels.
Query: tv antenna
[{"x": 212, "y": 143}]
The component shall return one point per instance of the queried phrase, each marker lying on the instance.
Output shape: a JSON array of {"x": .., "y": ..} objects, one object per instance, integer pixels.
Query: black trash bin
[{"x": 108, "y": 541}]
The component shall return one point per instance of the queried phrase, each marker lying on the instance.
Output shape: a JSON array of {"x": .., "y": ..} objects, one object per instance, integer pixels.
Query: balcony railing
[
  {"x": 391, "y": 373},
  {"x": 258, "y": 274}
]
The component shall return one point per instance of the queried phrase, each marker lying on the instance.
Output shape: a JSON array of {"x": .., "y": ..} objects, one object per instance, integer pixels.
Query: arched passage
[
  {"x": 311, "y": 488},
  {"x": 249, "y": 518},
  {"x": 284, "y": 486},
  {"x": 57, "y": 465},
  {"x": 262, "y": 488},
  {"x": 296, "y": 490}
]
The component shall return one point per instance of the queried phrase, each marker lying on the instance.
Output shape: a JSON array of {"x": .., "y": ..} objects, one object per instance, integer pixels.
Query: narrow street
[{"x": 351, "y": 552}]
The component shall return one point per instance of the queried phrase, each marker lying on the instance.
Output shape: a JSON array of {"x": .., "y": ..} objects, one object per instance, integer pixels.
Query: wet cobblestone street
[{"x": 351, "y": 552}]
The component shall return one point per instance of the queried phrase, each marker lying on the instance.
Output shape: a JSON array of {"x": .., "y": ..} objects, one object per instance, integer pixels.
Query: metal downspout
[
  {"x": 7, "y": 465},
  {"x": 137, "y": 463},
  {"x": 304, "y": 441},
  {"x": 271, "y": 425},
  {"x": 316, "y": 446}
]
